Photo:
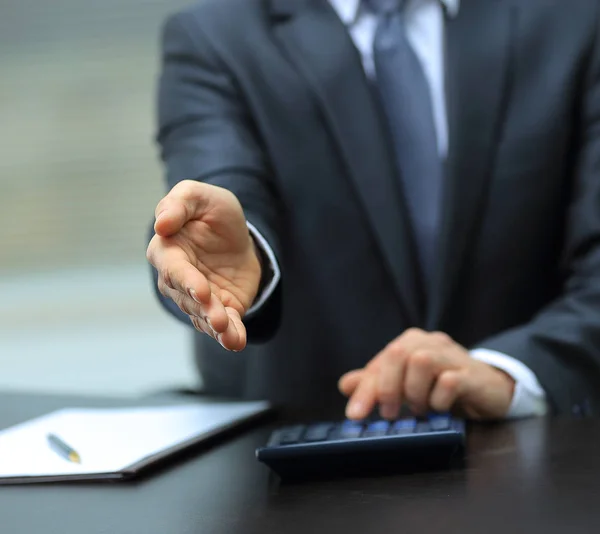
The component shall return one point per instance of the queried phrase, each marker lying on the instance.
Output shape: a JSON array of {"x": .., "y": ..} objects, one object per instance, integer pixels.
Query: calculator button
[
  {"x": 403, "y": 426},
  {"x": 458, "y": 425},
  {"x": 291, "y": 435},
  {"x": 349, "y": 430},
  {"x": 422, "y": 426},
  {"x": 274, "y": 439},
  {"x": 318, "y": 432},
  {"x": 378, "y": 428},
  {"x": 439, "y": 423}
]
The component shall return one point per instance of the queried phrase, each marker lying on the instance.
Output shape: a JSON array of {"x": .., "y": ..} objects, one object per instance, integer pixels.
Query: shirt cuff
[
  {"x": 274, "y": 272},
  {"x": 529, "y": 398}
]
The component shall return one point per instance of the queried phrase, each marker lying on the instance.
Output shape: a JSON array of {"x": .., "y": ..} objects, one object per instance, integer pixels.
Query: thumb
[
  {"x": 170, "y": 218},
  {"x": 184, "y": 202}
]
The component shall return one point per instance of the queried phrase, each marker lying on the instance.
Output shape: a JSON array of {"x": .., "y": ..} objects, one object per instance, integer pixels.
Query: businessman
[{"x": 399, "y": 199}]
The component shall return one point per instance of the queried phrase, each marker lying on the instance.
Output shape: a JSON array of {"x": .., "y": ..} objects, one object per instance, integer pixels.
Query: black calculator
[{"x": 324, "y": 449}]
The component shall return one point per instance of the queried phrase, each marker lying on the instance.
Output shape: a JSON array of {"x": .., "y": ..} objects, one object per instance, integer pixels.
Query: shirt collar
[{"x": 348, "y": 10}]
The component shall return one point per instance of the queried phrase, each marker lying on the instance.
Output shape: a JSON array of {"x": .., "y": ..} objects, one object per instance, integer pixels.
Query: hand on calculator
[{"x": 430, "y": 372}]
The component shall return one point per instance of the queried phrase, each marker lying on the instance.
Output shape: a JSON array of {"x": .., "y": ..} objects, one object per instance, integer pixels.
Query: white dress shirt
[{"x": 425, "y": 22}]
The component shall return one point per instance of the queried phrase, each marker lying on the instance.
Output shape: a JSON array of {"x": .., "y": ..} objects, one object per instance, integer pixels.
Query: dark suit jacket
[{"x": 268, "y": 98}]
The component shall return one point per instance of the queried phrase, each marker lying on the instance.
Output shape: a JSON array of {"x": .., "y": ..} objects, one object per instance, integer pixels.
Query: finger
[
  {"x": 441, "y": 338},
  {"x": 217, "y": 315},
  {"x": 236, "y": 319},
  {"x": 184, "y": 202},
  {"x": 419, "y": 380},
  {"x": 390, "y": 382},
  {"x": 202, "y": 326},
  {"x": 176, "y": 272},
  {"x": 213, "y": 313},
  {"x": 234, "y": 336},
  {"x": 349, "y": 382},
  {"x": 446, "y": 391},
  {"x": 404, "y": 345},
  {"x": 411, "y": 339},
  {"x": 185, "y": 303},
  {"x": 363, "y": 400}
]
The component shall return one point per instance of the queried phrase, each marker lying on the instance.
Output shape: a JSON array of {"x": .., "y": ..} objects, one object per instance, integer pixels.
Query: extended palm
[
  {"x": 218, "y": 246},
  {"x": 206, "y": 259}
]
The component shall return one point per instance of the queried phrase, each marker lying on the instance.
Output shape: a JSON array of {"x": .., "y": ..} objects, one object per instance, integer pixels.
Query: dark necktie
[{"x": 406, "y": 102}]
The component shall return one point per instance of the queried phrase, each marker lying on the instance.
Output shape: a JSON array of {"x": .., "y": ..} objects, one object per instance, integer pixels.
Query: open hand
[{"x": 206, "y": 259}]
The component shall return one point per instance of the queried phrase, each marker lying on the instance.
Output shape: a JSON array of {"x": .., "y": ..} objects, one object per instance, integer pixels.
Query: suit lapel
[
  {"x": 478, "y": 48},
  {"x": 318, "y": 44}
]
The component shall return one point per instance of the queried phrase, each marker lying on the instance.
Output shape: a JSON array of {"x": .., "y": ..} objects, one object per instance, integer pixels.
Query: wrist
[{"x": 508, "y": 384}]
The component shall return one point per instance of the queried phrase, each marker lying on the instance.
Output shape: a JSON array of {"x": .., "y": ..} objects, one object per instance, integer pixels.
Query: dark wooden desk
[{"x": 527, "y": 477}]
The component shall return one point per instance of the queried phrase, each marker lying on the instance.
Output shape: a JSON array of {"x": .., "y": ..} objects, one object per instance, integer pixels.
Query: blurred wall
[{"x": 79, "y": 179}]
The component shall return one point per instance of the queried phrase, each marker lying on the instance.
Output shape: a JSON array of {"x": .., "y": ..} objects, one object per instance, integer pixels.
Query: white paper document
[{"x": 114, "y": 439}]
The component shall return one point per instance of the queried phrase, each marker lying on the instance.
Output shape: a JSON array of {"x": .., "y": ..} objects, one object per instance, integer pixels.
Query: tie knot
[{"x": 385, "y": 7}]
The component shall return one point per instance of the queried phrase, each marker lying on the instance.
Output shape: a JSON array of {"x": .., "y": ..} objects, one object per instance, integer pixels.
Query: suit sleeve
[
  {"x": 206, "y": 133},
  {"x": 561, "y": 345}
]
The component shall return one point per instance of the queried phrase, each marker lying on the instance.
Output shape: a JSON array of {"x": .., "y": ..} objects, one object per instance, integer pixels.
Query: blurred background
[{"x": 79, "y": 180}]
